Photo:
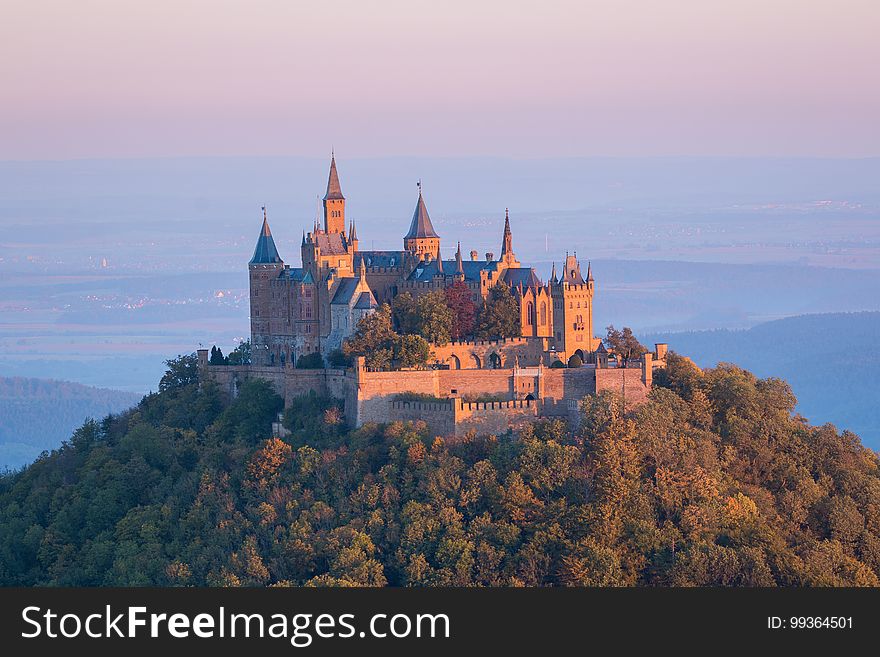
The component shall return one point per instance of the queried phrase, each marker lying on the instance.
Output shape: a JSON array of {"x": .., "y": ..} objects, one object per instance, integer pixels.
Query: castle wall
[
  {"x": 474, "y": 382},
  {"x": 493, "y": 417},
  {"x": 475, "y": 354},
  {"x": 561, "y": 389},
  {"x": 628, "y": 382},
  {"x": 369, "y": 396},
  {"x": 439, "y": 416},
  {"x": 375, "y": 389},
  {"x": 456, "y": 418}
]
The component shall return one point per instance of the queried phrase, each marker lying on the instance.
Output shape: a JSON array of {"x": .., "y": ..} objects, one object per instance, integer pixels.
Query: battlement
[{"x": 456, "y": 417}]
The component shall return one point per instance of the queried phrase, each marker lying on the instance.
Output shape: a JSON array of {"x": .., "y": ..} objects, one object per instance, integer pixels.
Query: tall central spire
[
  {"x": 334, "y": 201},
  {"x": 334, "y": 189},
  {"x": 507, "y": 243}
]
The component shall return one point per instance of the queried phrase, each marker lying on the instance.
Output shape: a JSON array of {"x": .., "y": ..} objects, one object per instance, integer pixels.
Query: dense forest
[
  {"x": 714, "y": 481},
  {"x": 38, "y": 414}
]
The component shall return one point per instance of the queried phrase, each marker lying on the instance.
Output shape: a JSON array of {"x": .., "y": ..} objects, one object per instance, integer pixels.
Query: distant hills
[
  {"x": 38, "y": 414},
  {"x": 832, "y": 362}
]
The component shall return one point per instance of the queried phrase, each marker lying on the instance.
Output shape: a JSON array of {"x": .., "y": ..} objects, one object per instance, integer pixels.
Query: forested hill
[
  {"x": 831, "y": 361},
  {"x": 712, "y": 482},
  {"x": 38, "y": 414}
]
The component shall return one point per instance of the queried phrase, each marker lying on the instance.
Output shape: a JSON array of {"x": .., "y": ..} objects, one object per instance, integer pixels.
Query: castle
[{"x": 298, "y": 311}]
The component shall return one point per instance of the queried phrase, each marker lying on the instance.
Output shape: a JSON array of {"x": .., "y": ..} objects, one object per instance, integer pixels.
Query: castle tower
[
  {"x": 573, "y": 311},
  {"x": 421, "y": 240},
  {"x": 334, "y": 202},
  {"x": 264, "y": 267}
]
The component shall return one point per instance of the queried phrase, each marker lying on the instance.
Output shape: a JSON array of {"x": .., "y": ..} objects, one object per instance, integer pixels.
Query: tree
[
  {"x": 338, "y": 358},
  {"x": 216, "y": 357},
  {"x": 403, "y": 311},
  {"x": 411, "y": 350},
  {"x": 427, "y": 316},
  {"x": 500, "y": 317},
  {"x": 460, "y": 301},
  {"x": 375, "y": 340},
  {"x": 434, "y": 318},
  {"x": 624, "y": 344},
  {"x": 241, "y": 355},
  {"x": 182, "y": 371},
  {"x": 312, "y": 361}
]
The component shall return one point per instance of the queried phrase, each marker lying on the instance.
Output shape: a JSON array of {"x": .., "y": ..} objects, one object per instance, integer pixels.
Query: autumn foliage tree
[{"x": 460, "y": 301}]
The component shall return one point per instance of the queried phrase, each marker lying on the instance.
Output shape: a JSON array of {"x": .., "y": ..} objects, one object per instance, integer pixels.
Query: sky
[{"x": 555, "y": 78}]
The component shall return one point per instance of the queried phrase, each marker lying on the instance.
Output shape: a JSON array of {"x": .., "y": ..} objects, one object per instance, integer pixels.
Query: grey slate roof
[
  {"x": 345, "y": 291},
  {"x": 265, "y": 251},
  {"x": 472, "y": 268},
  {"x": 300, "y": 275},
  {"x": 383, "y": 258},
  {"x": 421, "y": 223},
  {"x": 524, "y": 275},
  {"x": 366, "y": 301}
]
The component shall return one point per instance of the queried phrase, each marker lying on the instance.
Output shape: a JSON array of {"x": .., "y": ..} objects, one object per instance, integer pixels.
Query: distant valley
[
  {"x": 38, "y": 414},
  {"x": 830, "y": 360}
]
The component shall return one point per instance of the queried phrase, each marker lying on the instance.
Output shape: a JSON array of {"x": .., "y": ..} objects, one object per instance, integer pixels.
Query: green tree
[
  {"x": 411, "y": 350},
  {"x": 404, "y": 313},
  {"x": 241, "y": 355},
  {"x": 624, "y": 344},
  {"x": 373, "y": 338},
  {"x": 500, "y": 316},
  {"x": 182, "y": 371},
  {"x": 312, "y": 361},
  {"x": 434, "y": 317},
  {"x": 216, "y": 357}
]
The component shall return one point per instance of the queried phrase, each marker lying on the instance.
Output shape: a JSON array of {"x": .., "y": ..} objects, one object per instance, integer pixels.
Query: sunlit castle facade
[{"x": 296, "y": 311}]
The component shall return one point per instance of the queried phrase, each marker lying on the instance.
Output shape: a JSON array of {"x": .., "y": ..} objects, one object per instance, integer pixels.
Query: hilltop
[{"x": 713, "y": 481}]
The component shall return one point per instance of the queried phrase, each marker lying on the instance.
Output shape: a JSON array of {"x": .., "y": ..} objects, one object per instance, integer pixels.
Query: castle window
[
  {"x": 530, "y": 314},
  {"x": 308, "y": 312},
  {"x": 543, "y": 313}
]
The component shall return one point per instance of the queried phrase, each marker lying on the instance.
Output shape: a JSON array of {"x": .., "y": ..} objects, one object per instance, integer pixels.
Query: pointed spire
[
  {"x": 421, "y": 225},
  {"x": 459, "y": 267},
  {"x": 352, "y": 232},
  {"x": 265, "y": 251},
  {"x": 507, "y": 244},
  {"x": 334, "y": 190},
  {"x": 303, "y": 243},
  {"x": 439, "y": 263},
  {"x": 553, "y": 278},
  {"x": 363, "y": 270},
  {"x": 589, "y": 271}
]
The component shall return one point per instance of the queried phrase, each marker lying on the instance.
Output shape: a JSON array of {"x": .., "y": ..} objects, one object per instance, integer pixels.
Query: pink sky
[{"x": 117, "y": 78}]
